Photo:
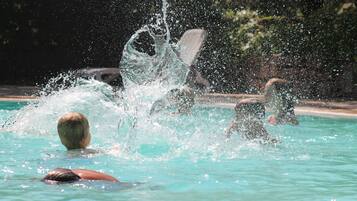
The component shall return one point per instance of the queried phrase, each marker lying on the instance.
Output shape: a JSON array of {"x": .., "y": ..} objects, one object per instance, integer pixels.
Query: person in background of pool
[
  {"x": 248, "y": 121},
  {"x": 196, "y": 81},
  {"x": 181, "y": 99},
  {"x": 73, "y": 131},
  {"x": 62, "y": 175},
  {"x": 279, "y": 97}
]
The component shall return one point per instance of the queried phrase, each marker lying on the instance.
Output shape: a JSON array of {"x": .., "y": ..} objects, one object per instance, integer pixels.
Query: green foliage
[
  {"x": 328, "y": 33},
  {"x": 248, "y": 34}
]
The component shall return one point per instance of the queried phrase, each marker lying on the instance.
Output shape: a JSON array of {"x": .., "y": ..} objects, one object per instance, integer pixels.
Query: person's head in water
[
  {"x": 250, "y": 108},
  {"x": 63, "y": 175},
  {"x": 248, "y": 121},
  {"x": 73, "y": 130}
]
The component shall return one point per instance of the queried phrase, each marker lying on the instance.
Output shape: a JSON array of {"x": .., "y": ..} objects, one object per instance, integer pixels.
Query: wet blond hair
[{"x": 73, "y": 130}]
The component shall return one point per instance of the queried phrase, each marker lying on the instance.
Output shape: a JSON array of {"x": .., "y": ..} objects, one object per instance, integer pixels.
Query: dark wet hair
[
  {"x": 61, "y": 175},
  {"x": 251, "y": 106}
]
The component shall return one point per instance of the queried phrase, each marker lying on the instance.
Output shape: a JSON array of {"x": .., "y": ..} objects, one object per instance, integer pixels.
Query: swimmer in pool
[
  {"x": 181, "y": 99},
  {"x": 248, "y": 121},
  {"x": 62, "y": 175},
  {"x": 279, "y": 97},
  {"x": 73, "y": 131}
]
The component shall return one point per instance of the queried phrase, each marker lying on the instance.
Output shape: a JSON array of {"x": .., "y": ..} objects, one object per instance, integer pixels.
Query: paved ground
[
  {"x": 9, "y": 92},
  {"x": 310, "y": 107},
  {"x": 331, "y": 108}
]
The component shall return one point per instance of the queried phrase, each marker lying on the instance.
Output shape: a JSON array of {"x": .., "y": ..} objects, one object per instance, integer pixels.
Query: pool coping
[
  {"x": 301, "y": 110},
  {"x": 325, "y": 108},
  {"x": 318, "y": 108},
  {"x": 18, "y": 98}
]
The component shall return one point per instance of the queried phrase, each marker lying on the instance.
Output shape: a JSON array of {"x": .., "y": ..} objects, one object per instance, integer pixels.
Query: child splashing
[
  {"x": 248, "y": 122},
  {"x": 165, "y": 74}
]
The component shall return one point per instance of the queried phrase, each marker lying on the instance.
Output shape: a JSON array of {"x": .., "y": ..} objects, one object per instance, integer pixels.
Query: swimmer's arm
[
  {"x": 93, "y": 175},
  {"x": 233, "y": 127},
  {"x": 201, "y": 80}
]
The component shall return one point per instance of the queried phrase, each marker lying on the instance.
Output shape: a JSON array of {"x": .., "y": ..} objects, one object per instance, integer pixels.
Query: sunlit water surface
[
  {"x": 166, "y": 156},
  {"x": 172, "y": 157}
]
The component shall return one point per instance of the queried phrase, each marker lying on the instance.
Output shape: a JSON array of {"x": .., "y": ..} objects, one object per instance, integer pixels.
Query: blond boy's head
[{"x": 73, "y": 130}]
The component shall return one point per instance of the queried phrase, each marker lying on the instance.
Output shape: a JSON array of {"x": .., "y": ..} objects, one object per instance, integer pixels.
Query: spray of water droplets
[{"x": 122, "y": 118}]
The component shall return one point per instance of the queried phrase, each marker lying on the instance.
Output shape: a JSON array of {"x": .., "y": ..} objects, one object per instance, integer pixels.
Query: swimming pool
[{"x": 179, "y": 158}]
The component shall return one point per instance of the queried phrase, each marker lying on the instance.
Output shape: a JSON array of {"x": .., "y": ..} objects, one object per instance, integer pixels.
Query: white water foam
[{"x": 123, "y": 119}]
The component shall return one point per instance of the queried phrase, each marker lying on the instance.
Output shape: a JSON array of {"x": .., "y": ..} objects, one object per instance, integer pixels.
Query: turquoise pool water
[{"x": 184, "y": 158}]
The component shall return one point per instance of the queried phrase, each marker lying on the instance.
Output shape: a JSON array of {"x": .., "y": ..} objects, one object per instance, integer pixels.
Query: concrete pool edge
[
  {"x": 323, "y": 108},
  {"x": 310, "y": 111},
  {"x": 343, "y": 109},
  {"x": 18, "y": 98}
]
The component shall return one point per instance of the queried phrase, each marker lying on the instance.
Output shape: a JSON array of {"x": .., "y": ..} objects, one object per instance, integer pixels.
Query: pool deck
[
  {"x": 326, "y": 108},
  {"x": 329, "y": 108},
  {"x": 17, "y": 93}
]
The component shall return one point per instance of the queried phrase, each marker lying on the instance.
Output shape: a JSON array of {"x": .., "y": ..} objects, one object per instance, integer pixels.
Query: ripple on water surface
[{"x": 184, "y": 157}]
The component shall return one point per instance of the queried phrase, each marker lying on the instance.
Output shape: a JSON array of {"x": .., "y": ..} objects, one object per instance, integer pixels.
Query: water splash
[
  {"x": 122, "y": 119},
  {"x": 164, "y": 67},
  {"x": 89, "y": 97}
]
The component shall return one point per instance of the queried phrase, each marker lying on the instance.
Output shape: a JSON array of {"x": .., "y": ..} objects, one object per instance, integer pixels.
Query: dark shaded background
[
  {"x": 39, "y": 38},
  {"x": 310, "y": 42}
]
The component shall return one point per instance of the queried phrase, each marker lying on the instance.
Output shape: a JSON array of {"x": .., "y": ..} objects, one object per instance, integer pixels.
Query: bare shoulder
[{"x": 83, "y": 152}]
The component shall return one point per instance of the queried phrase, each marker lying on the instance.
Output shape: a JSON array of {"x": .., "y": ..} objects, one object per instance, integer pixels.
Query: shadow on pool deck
[{"x": 309, "y": 107}]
